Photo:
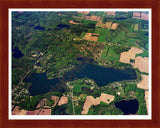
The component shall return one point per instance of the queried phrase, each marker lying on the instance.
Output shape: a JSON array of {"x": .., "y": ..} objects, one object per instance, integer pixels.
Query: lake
[
  {"x": 41, "y": 84},
  {"x": 101, "y": 75},
  {"x": 39, "y": 28},
  {"x": 60, "y": 26},
  {"x": 17, "y": 53},
  {"x": 128, "y": 107},
  {"x": 122, "y": 18}
]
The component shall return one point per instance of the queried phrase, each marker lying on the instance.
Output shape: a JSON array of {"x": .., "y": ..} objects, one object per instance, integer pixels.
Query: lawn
[
  {"x": 115, "y": 37},
  {"x": 112, "y": 36},
  {"x": 103, "y": 34},
  {"x": 91, "y": 110},
  {"x": 119, "y": 37},
  {"x": 82, "y": 34},
  {"x": 97, "y": 13},
  {"x": 105, "y": 52},
  {"x": 77, "y": 87},
  {"x": 131, "y": 41},
  {"x": 147, "y": 46},
  {"x": 98, "y": 30},
  {"x": 79, "y": 14},
  {"x": 144, "y": 54},
  {"x": 111, "y": 56},
  {"x": 88, "y": 22}
]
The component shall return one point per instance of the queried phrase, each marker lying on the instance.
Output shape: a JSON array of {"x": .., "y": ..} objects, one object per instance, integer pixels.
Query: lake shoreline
[{"x": 102, "y": 76}]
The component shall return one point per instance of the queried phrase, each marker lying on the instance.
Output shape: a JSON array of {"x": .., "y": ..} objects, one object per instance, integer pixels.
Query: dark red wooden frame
[{"x": 6, "y": 4}]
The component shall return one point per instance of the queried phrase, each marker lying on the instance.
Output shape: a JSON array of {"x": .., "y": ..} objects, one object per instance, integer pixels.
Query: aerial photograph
[{"x": 80, "y": 62}]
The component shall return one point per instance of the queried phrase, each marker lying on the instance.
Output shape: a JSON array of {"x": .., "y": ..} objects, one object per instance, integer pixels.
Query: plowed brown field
[{"x": 91, "y": 101}]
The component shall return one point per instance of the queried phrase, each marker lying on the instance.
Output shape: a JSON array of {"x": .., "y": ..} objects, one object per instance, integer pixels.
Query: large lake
[{"x": 101, "y": 75}]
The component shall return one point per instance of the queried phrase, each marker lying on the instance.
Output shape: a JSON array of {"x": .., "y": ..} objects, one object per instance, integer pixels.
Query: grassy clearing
[
  {"x": 78, "y": 110},
  {"x": 79, "y": 14},
  {"x": 88, "y": 21},
  {"x": 131, "y": 41},
  {"x": 82, "y": 34},
  {"x": 102, "y": 37},
  {"x": 112, "y": 56},
  {"x": 115, "y": 111},
  {"x": 105, "y": 52},
  {"x": 103, "y": 33},
  {"x": 97, "y": 13},
  {"x": 120, "y": 37},
  {"x": 98, "y": 30},
  {"x": 91, "y": 110},
  {"x": 69, "y": 108},
  {"x": 77, "y": 87},
  {"x": 147, "y": 46},
  {"x": 115, "y": 37},
  {"x": 144, "y": 54}
]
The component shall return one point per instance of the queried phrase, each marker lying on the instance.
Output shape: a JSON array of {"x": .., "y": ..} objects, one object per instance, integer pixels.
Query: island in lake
[{"x": 80, "y": 62}]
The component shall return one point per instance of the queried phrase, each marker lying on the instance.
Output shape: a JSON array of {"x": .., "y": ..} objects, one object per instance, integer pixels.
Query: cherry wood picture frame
[{"x": 5, "y": 5}]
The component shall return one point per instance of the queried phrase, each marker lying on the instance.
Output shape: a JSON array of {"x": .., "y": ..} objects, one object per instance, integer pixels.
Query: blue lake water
[
  {"x": 17, "y": 53},
  {"x": 41, "y": 84},
  {"x": 128, "y": 107},
  {"x": 101, "y": 75},
  {"x": 60, "y": 26},
  {"x": 39, "y": 28},
  {"x": 122, "y": 18},
  {"x": 63, "y": 26}
]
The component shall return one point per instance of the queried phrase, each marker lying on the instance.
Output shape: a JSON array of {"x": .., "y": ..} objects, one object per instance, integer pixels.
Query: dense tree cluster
[{"x": 121, "y": 49}]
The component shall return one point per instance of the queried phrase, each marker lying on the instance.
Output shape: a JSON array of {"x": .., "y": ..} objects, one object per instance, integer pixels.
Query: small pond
[
  {"x": 17, "y": 53},
  {"x": 39, "y": 28},
  {"x": 128, "y": 106},
  {"x": 63, "y": 26}
]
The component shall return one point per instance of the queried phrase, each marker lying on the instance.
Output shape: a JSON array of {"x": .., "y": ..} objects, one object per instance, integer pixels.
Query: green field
[
  {"x": 110, "y": 36},
  {"x": 144, "y": 54},
  {"x": 97, "y": 13},
  {"x": 111, "y": 56},
  {"x": 98, "y": 30},
  {"x": 79, "y": 14},
  {"x": 77, "y": 87},
  {"x": 116, "y": 37},
  {"x": 105, "y": 52},
  {"x": 88, "y": 21},
  {"x": 103, "y": 33}
]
